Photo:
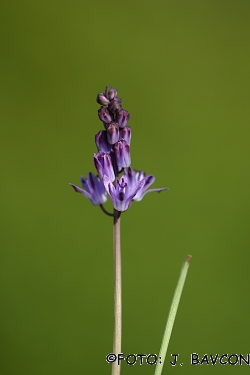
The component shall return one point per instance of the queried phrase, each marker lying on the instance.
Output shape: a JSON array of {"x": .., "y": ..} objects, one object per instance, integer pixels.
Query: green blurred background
[{"x": 182, "y": 70}]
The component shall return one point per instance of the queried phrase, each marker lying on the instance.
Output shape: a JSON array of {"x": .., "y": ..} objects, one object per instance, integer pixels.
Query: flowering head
[{"x": 113, "y": 158}]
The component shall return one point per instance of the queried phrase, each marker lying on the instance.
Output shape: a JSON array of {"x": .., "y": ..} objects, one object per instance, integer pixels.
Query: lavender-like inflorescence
[{"x": 113, "y": 158}]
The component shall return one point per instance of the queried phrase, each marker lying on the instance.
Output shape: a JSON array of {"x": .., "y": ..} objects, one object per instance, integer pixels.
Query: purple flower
[
  {"x": 133, "y": 177},
  {"x": 122, "y": 117},
  {"x": 112, "y": 133},
  {"x": 103, "y": 164},
  {"x": 102, "y": 142},
  {"x": 121, "y": 194},
  {"x": 110, "y": 92},
  {"x": 94, "y": 189},
  {"x": 113, "y": 158},
  {"x": 125, "y": 134},
  {"x": 104, "y": 115},
  {"x": 102, "y": 99},
  {"x": 115, "y": 105},
  {"x": 122, "y": 154}
]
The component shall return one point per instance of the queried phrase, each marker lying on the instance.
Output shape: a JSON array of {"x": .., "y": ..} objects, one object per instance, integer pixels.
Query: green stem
[
  {"x": 117, "y": 292},
  {"x": 171, "y": 316}
]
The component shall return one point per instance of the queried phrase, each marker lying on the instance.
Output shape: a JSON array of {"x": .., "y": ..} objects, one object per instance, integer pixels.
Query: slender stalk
[
  {"x": 105, "y": 211},
  {"x": 171, "y": 317},
  {"x": 117, "y": 341}
]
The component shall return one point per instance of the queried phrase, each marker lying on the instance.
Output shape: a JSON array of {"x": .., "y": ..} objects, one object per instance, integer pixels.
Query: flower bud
[
  {"x": 102, "y": 142},
  {"x": 122, "y": 154},
  {"x": 122, "y": 117},
  {"x": 104, "y": 165},
  {"x": 104, "y": 115},
  {"x": 113, "y": 133},
  {"x": 110, "y": 92},
  {"x": 125, "y": 134},
  {"x": 102, "y": 99},
  {"x": 115, "y": 105}
]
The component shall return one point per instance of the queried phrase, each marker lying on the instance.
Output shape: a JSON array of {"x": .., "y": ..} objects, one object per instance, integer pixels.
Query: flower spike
[{"x": 113, "y": 159}]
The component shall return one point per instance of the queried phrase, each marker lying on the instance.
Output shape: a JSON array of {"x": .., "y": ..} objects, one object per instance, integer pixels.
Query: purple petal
[
  {"x": 148, "y": 180},
  {"x": 79, "y": 190},
  {"x": 131, "y": 177},
  {"x": 84, "y": 183},
  {"x": 109, "y": 187},
  {"x": 135, "y": 189},
  {"x": 122, "y": 205},
  {"x": 155, "y": 190},
  {"x": 92, "y": 182}
]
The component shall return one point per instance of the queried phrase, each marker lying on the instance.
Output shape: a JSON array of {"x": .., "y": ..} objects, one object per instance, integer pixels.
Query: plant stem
[
  {"x": 117, "y": 341},
  {"x": 171, "y": 316}
]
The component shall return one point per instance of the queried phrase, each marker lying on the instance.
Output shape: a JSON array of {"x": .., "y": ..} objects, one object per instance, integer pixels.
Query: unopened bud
[
  {"x": 104, "y": 115},
  {"x": 122, "y": 117},
  {"x": 102, "y": 142},
  {"x": 113, "y": 133},
  {"x": 125, "y": 134},
  {"x": 104, "y": 165},
  {"x": 110, "y": 92},
  {"x": 102, "y": 99},
  {"x": 115, "y": 105},
  {"x": 122, "y": 154}
]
